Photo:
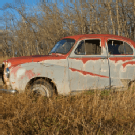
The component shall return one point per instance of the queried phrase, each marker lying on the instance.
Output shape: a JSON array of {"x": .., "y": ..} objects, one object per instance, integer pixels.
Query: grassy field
[{"x": 97, "y": 113}]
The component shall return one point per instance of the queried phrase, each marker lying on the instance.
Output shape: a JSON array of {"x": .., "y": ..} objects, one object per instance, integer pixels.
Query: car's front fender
[{"x": 22, "y": 74}]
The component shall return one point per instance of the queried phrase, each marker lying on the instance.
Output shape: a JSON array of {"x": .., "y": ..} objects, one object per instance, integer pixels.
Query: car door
[
  {"x": 88, "y": 65},
  {"x": 122, "y": 62}
]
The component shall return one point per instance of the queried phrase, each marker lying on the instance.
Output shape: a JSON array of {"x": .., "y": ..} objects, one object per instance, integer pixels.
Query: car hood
[{"x": 35, "y": 58}]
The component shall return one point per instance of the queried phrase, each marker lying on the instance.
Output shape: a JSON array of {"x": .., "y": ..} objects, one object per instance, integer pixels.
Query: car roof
[{"x": 77, "y": 37}]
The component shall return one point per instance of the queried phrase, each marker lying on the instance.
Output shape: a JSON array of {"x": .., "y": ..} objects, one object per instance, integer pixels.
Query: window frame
[{"x": 73, "y": 51}]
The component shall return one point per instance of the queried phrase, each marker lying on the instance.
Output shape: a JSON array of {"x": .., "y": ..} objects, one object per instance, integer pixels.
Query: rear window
[{"x": 116, "y": 47}]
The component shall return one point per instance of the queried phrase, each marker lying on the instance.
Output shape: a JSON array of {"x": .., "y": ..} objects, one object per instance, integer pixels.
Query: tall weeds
[{"x": 98, "y": 112}]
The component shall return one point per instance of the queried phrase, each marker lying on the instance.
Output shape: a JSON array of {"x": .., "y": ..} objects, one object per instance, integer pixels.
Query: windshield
[{"x": 63, "y": 46}]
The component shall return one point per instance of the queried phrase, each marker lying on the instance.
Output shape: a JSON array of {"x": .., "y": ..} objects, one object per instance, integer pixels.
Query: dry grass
[
  {"x": 3, "y": 58},
  {"x": 99, "y": 112}
]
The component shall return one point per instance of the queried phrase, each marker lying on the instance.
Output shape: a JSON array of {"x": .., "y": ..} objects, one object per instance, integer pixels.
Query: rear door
[
  {"x": 88, "y": 65},
  {"x": 122, "y": 62}
]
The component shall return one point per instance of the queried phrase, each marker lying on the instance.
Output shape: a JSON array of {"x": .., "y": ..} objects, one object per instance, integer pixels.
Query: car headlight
[{"x": 7, "y": 72}]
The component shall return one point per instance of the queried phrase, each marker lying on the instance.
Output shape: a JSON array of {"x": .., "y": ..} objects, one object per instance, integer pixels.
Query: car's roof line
[
  {"x": 93, "y": 35},
  {"x": 77, "y": 37}
]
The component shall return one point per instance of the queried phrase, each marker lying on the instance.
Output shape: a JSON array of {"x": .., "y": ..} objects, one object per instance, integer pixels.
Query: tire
[{"x": 42, "y": 87}]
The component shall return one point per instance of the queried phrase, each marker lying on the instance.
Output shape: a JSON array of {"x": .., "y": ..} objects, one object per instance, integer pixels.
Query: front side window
[
  {"x": 116, "y": 47},
  {"x": 80, "y": 50},
  {"x": 88, "y": 47},
  {"x": 63, "y": 46}
]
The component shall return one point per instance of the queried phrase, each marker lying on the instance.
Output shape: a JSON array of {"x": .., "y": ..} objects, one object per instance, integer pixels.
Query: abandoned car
[{"x": 76, "y": 63}]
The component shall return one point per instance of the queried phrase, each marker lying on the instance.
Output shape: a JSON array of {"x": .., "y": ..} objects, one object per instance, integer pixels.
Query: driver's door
[{"x": 88, "y": 65}]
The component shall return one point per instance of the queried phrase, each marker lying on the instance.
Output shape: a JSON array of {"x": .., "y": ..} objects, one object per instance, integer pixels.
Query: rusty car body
[{"x": 76, "y": 63}]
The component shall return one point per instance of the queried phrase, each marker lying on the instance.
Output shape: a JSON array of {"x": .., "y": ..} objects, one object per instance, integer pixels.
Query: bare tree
[{"x": 37, "y": 31}]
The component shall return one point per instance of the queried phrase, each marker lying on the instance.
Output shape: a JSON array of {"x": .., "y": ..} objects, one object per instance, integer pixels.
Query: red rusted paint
[
  {"x": 84, "y": 60},
  {"x": 127, "y": 63},
  {"x": 22, "y": 77},
  {"x": 29, "y": 74},
  {"x": 88, "y": 73},
  {"x": 28, "y": 59},
  {"x": 38, "y": 74},
  {"x": 14, "y": 70},
  {"x": 116, "y": 59}
]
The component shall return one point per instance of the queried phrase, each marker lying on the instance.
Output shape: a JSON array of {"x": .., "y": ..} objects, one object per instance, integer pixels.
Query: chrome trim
[{"x": 8, "y": 91}]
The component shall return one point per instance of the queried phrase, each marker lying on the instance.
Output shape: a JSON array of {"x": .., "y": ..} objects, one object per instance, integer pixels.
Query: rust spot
[
  {"x": 13, "y": 82},
  {"x": 14, "y": 70},
  {"x": 30, "y": 74},
  {"x": 38, "y": 74}
]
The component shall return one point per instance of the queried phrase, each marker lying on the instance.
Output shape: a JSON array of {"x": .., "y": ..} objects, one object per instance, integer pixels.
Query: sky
[
  {"x": 3, "y": 2},
  {"x": 30, "y": 3}
]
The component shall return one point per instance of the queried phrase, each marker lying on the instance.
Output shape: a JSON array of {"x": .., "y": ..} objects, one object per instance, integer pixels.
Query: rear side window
[
  {"x": 116, "y": 47},
  {"x": 128, "y": 49}
]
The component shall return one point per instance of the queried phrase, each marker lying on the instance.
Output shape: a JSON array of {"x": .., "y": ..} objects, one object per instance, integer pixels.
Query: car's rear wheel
[{"x": 42, "y": 87}]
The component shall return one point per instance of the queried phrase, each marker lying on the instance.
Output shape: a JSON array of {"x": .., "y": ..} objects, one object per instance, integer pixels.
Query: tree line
[{"x": 40, "y": 27}]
